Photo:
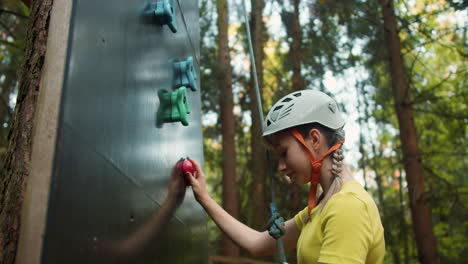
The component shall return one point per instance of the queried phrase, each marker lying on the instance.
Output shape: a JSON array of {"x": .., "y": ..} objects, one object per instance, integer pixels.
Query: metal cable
[
  {"x": 188, "y": 34},
  {"x": 254, "y": 67},
  {"x": 273, "y": 210}
]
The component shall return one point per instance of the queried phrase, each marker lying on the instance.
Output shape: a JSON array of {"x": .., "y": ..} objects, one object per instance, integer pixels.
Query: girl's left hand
[{"x": 177, "y": 186}]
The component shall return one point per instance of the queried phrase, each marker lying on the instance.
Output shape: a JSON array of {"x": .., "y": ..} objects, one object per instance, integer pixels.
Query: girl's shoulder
[
  {"x": 351, "y": 201},
  {"x": 352, "y": 191}
]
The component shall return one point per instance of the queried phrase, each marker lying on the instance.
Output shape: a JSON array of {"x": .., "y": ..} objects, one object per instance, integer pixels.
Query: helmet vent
[
  {"x": 297, "y": 94},
  {"x": 287, "y": 99},
  {"x": 268, "y": 123},
  {"x": 332, "y": 107},
  {"x": 278, "y": 107},
  {"x": 288, "y": 108},
  {"x": 284, "y": 115},
  {"x": 286, "y": 111}
]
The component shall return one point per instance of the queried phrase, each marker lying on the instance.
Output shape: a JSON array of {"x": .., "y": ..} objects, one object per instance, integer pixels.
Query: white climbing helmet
[{"x": 303, "y": 107}]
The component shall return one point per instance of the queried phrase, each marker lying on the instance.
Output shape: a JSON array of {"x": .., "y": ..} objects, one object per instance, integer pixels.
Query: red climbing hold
[{"x": 185, "y": 165}]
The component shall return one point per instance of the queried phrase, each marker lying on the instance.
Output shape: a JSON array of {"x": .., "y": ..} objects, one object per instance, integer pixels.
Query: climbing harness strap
[{"x": 316, "y": 166}]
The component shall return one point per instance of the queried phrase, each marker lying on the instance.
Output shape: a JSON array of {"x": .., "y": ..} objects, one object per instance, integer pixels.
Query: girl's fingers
[
  {"x": 195, "y": 164},
  {"x": 198, "y": 170},
  {"x": 190, "y": 178}
]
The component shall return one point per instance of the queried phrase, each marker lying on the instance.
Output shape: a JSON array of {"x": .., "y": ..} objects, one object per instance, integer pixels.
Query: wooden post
[{"x": 33, "y": 216}]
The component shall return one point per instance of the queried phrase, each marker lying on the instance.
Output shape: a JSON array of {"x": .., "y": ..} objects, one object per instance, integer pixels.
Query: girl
[{"x": 343, "y": 226}]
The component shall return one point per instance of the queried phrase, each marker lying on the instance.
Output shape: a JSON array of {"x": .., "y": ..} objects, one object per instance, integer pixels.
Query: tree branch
[
  {"x": 429, "y": 39},
  {"x": 11, "y": 44},
  {"x": 444, "y": 153},
  {"x": 447, "y": 183},
  {"x": 12, "y": 13},
  {"x": 442, "y": 114},
  {"x": 27, "y": 3},
  {"x": 7, "y": 29},
  {"x": 7, "y": 107},
  {"x": 423, "y": 95}
]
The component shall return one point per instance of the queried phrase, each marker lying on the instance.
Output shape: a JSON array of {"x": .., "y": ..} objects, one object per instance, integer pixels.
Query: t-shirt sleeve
[
  {"x": 346, "y": 230},
  {"x": 300, "y": 218}
]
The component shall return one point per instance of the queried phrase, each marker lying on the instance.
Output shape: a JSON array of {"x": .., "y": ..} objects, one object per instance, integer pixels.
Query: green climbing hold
[{"x": 173, "y": 107}]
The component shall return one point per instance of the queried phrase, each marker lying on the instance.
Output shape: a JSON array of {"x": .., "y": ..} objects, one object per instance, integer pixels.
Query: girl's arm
[{"x": 256, "y": 243}]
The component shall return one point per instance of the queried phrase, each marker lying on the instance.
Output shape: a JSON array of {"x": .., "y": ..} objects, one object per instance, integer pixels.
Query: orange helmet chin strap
[{"x": 316, "y": 166}]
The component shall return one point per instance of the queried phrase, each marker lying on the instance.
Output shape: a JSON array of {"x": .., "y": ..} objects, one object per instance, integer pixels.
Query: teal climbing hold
[
  {"x": 163, "y": 12},
  {"x": 173, "y": 107},
  {"x": 184, "y": 74}
]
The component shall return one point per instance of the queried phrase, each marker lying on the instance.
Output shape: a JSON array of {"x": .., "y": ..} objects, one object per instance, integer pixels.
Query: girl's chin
[
  {"x": 289, "y": 178},
  {"x": 293, "y": 179},
  {"x": 299, "y": 181}
]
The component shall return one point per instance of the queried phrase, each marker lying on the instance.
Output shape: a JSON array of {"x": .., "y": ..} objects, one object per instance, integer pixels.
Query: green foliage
[{"x": 13, "y": 22}]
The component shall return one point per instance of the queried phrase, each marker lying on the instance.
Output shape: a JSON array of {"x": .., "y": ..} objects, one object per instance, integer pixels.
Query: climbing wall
[{"x": 113, "y": 156}]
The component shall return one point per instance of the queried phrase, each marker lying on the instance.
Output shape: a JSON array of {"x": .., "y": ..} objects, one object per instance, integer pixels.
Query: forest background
[{"x": 342, "y": 48}]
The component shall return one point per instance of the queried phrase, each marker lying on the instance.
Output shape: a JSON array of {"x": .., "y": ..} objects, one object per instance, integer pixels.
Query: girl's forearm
[{"x": 255, "y": 242}]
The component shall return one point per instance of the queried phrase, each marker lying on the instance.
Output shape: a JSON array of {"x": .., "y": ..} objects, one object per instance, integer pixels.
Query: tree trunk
[
  {"x": 298, "y": 83},
  {"x": 390, "y": 241},
  {"x": 258, "y": 161},
  {"x": 230, "y": 189},
  {"x": 403, "y": 232},
  {"x": 293, "y": 30},
  {"x": 420, "y": 208},
  {"x": 16, "y": 168},
  {"x": 362, "y": 115}
]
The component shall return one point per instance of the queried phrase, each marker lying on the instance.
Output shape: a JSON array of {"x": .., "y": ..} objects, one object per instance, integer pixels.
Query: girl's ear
[{"x": 314, "y": 138}]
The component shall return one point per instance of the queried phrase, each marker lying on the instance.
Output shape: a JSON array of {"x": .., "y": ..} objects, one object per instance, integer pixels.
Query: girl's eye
[{"x": 284, "y": 153}]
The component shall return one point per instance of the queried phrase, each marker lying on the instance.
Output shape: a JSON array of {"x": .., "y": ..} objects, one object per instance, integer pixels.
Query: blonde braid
[{"x": 337, "y": 162}]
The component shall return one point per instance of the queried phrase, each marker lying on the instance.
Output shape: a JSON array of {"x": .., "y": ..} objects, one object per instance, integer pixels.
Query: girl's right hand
[{"x": 198, "y": 181}]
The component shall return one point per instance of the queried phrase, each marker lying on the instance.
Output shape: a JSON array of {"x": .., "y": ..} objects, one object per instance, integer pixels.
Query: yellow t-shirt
[{"x": 348, "y": 230}]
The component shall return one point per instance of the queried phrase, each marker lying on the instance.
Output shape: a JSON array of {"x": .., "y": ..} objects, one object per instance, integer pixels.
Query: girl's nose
[{"x": 281, "y": 165}]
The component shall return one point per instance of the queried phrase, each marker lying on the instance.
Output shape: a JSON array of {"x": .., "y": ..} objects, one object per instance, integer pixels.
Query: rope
[{"x": 276, "y": 223}]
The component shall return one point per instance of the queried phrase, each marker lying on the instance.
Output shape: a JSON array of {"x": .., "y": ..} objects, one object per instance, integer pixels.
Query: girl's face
[{"x": 293, "y": 160}]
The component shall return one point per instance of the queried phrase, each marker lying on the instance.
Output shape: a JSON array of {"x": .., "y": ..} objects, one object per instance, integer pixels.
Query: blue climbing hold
[
  {"x": 184, "y": 74},
  {"x": 163, "y": 12}
]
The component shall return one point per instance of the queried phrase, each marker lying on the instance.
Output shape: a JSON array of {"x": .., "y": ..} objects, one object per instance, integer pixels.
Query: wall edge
[{"x": 36, "y": 196}]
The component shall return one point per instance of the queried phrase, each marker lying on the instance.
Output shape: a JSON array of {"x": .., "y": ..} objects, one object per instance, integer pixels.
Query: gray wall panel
[{"x": 112, "y": 163}]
